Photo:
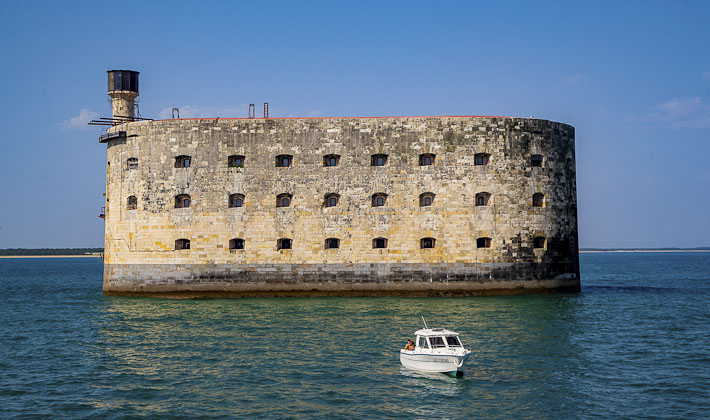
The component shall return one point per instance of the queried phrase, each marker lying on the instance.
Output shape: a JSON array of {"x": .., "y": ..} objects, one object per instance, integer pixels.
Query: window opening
[
  {"x": 235, "y": 161},
  {"x": 132, "y": 203},
  {"x": 378, "y": 160},
  {"x": 236, "y": 200},
  {"x": 283, "y": 243},
  {"x": 481, "y": 158},
  {"x": 132, "y": 163},
  {"x": 283, "y": 200},
  {"x": 379, "y": 199},
  {"x": 483, "y": 242},
  {"x": 426, "y": 243},
  {"x": 331, "y": 200},
  {"x": 284, "y": 161},
  {"x": 331, "y": 160},
  {"x": 332, "y": 243},
  {"x": 453, "y": 341},
  {"x": 426, "y": 199},
  {"x": 379, "y": 243},
  {"x": 539, "y": 242},
  {"x": 182, "y": 244},
  {"x": 182, "y": 201},
  {"x": 536, "y": 160},
  {"x": 236, "y": 243},
  {"x": 182, "y": 161},
  {"x": 423, "y": 343},
  {"x": 482, "y": 198},
  {"x": 538, "y": 199},
  {"x": 437, "y": 342},
  {"x": 426, "y": 159}
]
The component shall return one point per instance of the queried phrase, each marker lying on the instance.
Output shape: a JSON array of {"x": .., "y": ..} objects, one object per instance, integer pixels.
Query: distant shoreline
[
  {"x": 641, "y": 250},
  {"x": 49, "y": 256}
]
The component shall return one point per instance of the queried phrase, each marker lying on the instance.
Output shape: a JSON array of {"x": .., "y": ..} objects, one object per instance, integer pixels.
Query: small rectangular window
[
  {"x": 235, "y": 161},
  {"x": 426, "y": 243},
  {"x": 331, "y": 160},
  {"x": 437, "y": 342},
  {"x": 378, "y": 160},
  {"x": 182, "y": 161},
  {"x": 483, "y": 243},
  {"x": 426, "y": 159},
  {"x": 283, "y": 200},
  {"x": 236, "y": 243},
  {"x": 481, "y": 158},
  {"x": 379, "y": 243},
  {"x": 539, "y": 242},
  {"x": 284, "y": 161},
  {"x": 453, "y": 341}
]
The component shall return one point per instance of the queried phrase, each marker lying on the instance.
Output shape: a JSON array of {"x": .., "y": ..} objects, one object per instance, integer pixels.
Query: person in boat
[{"x": 409, "y": 346}]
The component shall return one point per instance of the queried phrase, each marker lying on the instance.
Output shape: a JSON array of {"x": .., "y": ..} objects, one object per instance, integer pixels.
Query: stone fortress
[{"x": 403, "y": 206}]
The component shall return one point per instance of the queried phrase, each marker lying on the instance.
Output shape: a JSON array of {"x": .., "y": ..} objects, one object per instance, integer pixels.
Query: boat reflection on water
[
  {"x": 425, "y": 383},
  {"x": 432, "y": 376}
]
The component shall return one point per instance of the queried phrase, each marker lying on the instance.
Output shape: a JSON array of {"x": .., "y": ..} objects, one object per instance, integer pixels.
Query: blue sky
[{"x": 633, "y": 78}]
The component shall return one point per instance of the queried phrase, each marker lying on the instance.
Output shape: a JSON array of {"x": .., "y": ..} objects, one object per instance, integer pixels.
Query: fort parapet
[{"x": 340, "y": 206}]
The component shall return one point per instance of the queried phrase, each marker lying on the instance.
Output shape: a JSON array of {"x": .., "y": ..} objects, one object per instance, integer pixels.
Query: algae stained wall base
[{"x": 338, "y": 279}]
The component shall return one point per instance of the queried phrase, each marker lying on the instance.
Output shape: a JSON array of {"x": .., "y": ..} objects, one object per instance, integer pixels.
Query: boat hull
[{"x": 432, "y": 362}]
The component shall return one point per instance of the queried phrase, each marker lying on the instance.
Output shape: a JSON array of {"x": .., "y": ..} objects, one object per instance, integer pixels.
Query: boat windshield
[
  {"x": 453, "y": 341},
  {"x": 437, "y": 342},
  {"x": 423, "y": 343}
]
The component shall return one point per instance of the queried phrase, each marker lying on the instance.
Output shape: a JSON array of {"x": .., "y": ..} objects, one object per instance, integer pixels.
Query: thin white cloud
[
  {"x": 575, "y": 79},
  {"x": 81, "y": 120},
  {"x": 706, "y": 75},
  {"x": 314, "y": 113},
  {"x": 682, "y": 113}
]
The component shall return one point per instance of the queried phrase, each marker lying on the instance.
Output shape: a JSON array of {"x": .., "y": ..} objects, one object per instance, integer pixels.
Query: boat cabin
[{"x": 437, "y": 338}]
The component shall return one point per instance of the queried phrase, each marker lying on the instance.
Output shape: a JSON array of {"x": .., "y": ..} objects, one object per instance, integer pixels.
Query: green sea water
[{"x": 635, "y": 343}]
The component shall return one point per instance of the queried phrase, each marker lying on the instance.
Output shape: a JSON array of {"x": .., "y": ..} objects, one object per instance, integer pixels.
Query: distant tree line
[
  {"x": 49, "y": 251},
  {"x": 700, "y": 248}
]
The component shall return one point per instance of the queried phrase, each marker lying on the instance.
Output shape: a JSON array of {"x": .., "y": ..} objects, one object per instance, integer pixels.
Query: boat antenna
[{"x": 425, "y": 327}]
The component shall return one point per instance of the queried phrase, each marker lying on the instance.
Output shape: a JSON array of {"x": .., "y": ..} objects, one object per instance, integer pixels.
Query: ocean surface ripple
[{"x": 635, "y": 343}]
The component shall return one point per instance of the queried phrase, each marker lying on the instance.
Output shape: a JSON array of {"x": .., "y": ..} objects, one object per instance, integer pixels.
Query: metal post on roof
[
  {"x": 176, "y": 111},
  {"x": 266, "y": 110},
  {"x": 252, "y": 111}
]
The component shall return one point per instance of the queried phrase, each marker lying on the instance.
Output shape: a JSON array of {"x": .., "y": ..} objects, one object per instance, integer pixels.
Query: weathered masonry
[{"x": 340, "y": 206}]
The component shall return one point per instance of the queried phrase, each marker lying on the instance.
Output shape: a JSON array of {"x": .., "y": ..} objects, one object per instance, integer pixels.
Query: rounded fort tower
[
  {"x": 457, "y": 205},
  {"x": 123, "y": 90}
]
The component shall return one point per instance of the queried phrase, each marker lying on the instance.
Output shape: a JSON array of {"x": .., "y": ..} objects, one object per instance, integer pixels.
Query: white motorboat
[{"x": 436, "y": 350}]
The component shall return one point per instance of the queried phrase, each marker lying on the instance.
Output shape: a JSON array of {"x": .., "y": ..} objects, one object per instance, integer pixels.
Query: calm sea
[{"x": 634, "y": 344}]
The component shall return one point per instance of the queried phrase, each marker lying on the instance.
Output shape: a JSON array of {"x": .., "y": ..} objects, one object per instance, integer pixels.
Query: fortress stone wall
[{"x": 140, "y": 249}]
